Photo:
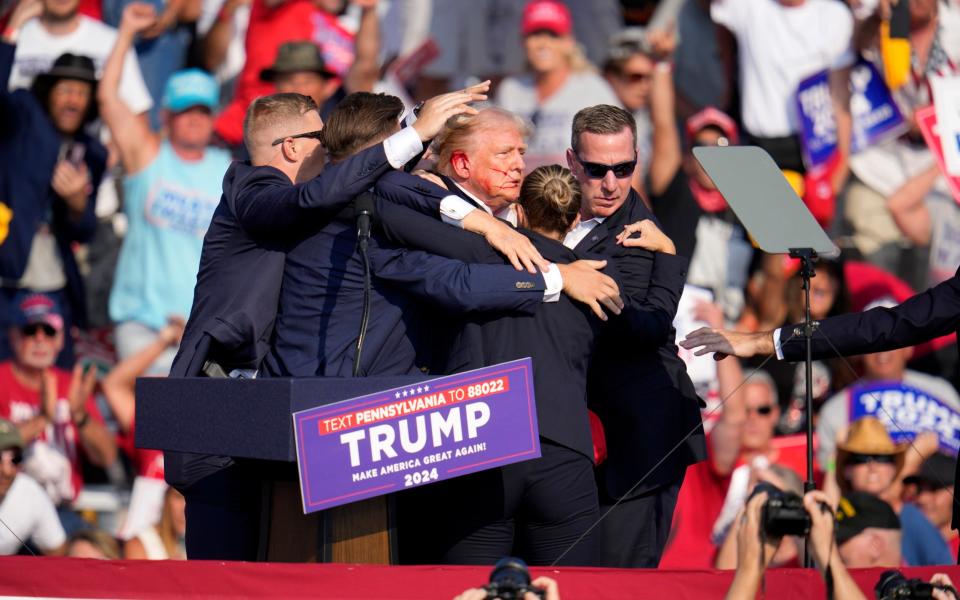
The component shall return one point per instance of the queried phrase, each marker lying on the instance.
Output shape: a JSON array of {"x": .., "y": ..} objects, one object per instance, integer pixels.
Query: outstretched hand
[{"x": 724, "y": 343}]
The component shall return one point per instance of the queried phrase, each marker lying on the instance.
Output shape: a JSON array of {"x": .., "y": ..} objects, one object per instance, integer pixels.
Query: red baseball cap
[{"x": 546, "y": 15}]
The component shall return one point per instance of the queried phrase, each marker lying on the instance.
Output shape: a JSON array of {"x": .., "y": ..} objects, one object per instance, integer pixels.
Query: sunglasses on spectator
[
  {"x": 32, "y": 329},
  {"x": 599, "y": 170},
  {"x": 635, "y": 77},
  {"x": 15, "y": 456},
  {"x": 763, "y": 411},
  {"x": 862, "y": 459},
  {"x": 316, "y": 135}
]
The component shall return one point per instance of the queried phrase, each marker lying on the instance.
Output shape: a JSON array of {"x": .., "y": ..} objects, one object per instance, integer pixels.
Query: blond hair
[
  {"x": 268, "y": 114},
  {"x": 550, "y": 197},
  {"x": 461, "y": 132}
]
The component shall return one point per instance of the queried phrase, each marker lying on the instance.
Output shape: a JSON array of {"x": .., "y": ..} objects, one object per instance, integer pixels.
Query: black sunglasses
[
  {"x": 317, "y": 135},
  {"x": 31, "y": 329},
  {"x": 599, "y": 170},
  {"x": 862, "y": 459},
  {"x": 761, "y": 410},
  {"x": 16, "y": 456}
]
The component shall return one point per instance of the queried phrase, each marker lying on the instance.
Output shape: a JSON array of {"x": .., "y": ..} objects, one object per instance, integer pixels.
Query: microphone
[{"x": 363, "y": 209}]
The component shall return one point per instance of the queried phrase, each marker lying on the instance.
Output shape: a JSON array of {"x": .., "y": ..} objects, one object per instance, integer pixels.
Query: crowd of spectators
[{"x": 119, "y": 119}]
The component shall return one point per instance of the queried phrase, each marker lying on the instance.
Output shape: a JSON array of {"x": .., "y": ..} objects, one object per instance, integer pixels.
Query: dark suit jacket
[
  {"x": 929, "y": 314},
  {"x": 238, "y": 284},
  {"x": 321, "y": 299},
  {"x": 644, "y": 397},
  {"x": 558, "y": 336}
]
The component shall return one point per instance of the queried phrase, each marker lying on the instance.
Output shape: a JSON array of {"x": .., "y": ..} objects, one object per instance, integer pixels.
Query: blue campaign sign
[
  {"x": 405, "y": 437},
  {"x": 906, "y": 411},
  {"x": 874, "y": 114},
  {"x": 818, "y": 126}
]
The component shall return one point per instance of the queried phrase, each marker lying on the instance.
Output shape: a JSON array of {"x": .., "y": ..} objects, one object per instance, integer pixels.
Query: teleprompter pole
[{"x": 807, "y": 257}]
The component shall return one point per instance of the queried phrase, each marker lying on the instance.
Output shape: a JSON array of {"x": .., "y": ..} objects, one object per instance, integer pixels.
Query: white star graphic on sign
[
  {"x": 397, "y": 395},
  {"x": 404, "y": 393},
  {"x": 419, "y": 389},
  {"x": 426, "y": 388}
]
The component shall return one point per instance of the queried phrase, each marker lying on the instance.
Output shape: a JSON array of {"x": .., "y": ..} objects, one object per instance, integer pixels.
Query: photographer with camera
[
  {"x": 510, "y": 580},
  {"x": 761, "y": 530}
]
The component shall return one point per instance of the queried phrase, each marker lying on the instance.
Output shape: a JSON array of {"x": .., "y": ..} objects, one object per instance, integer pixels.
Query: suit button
[
  {"x": 424, "y": 370},
  {"x": 524, "y": 285}
]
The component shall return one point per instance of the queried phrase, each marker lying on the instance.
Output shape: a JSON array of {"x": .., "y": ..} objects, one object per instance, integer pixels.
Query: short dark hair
[
  {"x": 359, "y": 120},
  {"x": 602, "y": 119}
]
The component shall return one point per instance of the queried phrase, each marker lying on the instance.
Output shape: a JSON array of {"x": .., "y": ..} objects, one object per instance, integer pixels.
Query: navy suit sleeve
[
  {"x": 266, "y": 208},
  {"x": 649, "y": 321},
  {"x": 410, "y": 229},
  {"x": 411, "y": 191},
  {"x": 15, "y": 105},
  {"x": 454, "y": 285},
  {"x": 927, "y": 315}
]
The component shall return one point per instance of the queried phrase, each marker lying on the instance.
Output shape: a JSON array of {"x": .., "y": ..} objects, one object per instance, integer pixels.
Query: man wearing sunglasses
[
  {"x": 52, "y": 409},
  {"x": 25, "y": 509},
  {"x": 641, "y": 391},
  {"x": 283, "y": 189}
]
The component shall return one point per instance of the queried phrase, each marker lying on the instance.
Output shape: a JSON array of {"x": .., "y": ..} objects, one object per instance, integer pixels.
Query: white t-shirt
[
  {"x": 37, "y": 49},
  {"x": 553, "y": 120},
  {"x": 780, "y": 46},
  {"x": 28, "y": 511}
]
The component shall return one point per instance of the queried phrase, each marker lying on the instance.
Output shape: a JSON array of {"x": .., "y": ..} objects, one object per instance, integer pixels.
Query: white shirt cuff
[
  {"x": 776, "y": 344},
  {"x": 554, "y": 282},
  {"x": 454, "y": 209},
  {"x": 402, "y": 146}
]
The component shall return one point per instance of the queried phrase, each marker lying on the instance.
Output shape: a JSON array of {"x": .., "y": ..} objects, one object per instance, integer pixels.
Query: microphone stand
[
  {"x": 363, "y": 242},
  {"x": 807, "y": 257}
]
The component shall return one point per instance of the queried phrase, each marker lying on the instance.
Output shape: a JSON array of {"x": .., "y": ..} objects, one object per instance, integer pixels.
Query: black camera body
[
  {"x": 783, "y": 514},
  {"x": 510, "y": 580},
  {"x": 893, "y": 585}
]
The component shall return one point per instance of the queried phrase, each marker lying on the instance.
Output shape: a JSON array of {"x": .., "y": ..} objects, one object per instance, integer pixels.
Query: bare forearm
[
  {"x": 98, "y": 443},
  {"x": 745, "y": 584},
  {"x": 365, "y": 68},
  {"x": 32, "y": 428},
  {"x": 666, "y": 139}
]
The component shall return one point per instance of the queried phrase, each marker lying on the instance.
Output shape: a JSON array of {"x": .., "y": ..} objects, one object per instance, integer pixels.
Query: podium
[{"x": 251, "y": 419}]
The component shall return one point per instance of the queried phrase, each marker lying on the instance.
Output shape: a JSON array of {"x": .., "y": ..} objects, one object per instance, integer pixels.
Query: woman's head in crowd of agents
[
  {"x": 549, "y": 201},
  {"x": 283, "y": 131},
  {"x": 483, "y": 153},
  {"x": 603, "y": 157}
]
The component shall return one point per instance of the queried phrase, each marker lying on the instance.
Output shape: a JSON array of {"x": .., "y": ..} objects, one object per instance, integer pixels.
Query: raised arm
[
  {"x": 25, "y": 10},
  {"x": 667, "y": 155},
  {"x": 365, "y": 70},
  {"x": 138, "y": 145}
]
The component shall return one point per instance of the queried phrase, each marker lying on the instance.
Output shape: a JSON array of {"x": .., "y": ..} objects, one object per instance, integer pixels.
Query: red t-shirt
[
  {"x": 19, "y": 404},
  {"x": 147, "y": 462},
  {"x": 270, "y": 28},
  {"x": 698, "y": 506}
]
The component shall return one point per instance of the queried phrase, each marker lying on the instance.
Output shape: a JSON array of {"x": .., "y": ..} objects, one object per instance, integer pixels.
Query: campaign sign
[
  {"x": 906, "y": 411},
  {"x": 406, "y": 437},
  {"x": 927, "y": 122},
  {"x": 874, "y": 115},
  {"x": 818, "y": 127}
]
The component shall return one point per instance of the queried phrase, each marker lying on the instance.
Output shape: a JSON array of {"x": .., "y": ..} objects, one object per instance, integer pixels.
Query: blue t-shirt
[
  {"x": 922, "y": 545},
  {"x": 168, "y": 206}
]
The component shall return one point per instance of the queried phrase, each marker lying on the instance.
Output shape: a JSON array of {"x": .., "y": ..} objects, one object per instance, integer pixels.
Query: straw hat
[{"x": 867, "y": 436}]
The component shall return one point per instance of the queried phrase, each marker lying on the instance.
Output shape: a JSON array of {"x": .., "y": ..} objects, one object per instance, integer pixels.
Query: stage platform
[{"x": 84, "y": 578}]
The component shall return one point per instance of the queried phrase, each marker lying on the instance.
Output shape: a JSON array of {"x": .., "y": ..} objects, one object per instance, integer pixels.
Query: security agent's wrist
[
  {"x": 402, "y": 147},
  {"x": 553, "y": 280}
]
